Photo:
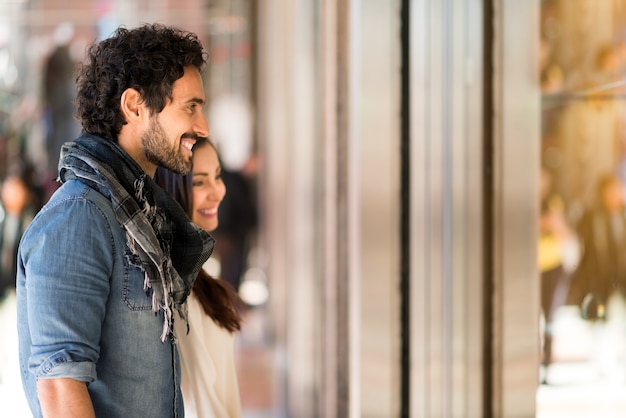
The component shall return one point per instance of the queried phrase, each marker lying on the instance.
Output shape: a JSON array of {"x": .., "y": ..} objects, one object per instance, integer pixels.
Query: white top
[{"x": 207, "y": 355}]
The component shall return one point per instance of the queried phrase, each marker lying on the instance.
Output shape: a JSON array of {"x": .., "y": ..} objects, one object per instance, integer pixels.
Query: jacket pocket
[{"x": 134, "y": 295}]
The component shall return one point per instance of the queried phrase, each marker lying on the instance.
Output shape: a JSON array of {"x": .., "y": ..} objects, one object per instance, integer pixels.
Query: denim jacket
[{"x": 83, "y": 312}]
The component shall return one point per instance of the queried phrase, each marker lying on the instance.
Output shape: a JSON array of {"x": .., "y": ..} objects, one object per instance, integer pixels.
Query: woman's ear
[{"x": 131, "y": 105}]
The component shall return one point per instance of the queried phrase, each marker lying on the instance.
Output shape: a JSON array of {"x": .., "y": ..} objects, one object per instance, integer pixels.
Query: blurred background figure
[
  {"x": 59, "y": 90},
  {"x": 231, "y": 129},
  {"x": 238, "y": 220},
  {"x": 599, "y": 283},
  {"x": 601, "y": 272},
  {"x": 555, "y": 235},
  {"x": 19, "y": 202},
  {"x": 18, "y": 209}
]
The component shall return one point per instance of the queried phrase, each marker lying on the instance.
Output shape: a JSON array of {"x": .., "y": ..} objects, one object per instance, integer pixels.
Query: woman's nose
[{"x": 216, "y": 192}]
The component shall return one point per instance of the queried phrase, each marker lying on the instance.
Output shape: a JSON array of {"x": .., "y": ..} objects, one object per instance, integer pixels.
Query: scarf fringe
[{"x": 98, "y": 162}]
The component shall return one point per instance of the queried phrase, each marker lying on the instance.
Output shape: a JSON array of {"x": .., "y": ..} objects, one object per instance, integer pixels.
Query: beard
[{"x": 157, "y": 150}]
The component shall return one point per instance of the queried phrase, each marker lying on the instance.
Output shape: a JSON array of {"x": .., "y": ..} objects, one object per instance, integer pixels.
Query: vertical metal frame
[
  {"x": 452, "y": 365},
  {"x": 516, "y": 122},
  {"x": 377, "y": 80},
  {"x": 447, "y": 270},
  {"x": 341, "y": 326},
  {"x": 330, "y": 356}
]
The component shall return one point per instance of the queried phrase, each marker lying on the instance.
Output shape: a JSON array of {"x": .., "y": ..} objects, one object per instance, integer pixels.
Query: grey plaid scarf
[{"x": 170, "y": 247}]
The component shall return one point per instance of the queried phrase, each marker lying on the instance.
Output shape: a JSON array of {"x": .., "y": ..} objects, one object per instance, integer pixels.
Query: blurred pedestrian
[
  {"x": 602, "y": 234},
  {"x": 17, "y": 209},
  {"x": 59, "y": 90},
  {"x": 555, "y": 235},
  {"x": 598, "y": 284}
]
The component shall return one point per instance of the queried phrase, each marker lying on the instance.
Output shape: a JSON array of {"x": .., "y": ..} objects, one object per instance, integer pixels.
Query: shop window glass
[{"x": 582, "y": 244}]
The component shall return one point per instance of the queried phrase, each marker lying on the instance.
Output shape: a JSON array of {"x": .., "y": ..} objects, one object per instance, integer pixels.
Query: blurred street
[
  {"x": 582, "y": 381},
  {"x": 254, "y": 366},
  {"x": 578, "y": 392}
]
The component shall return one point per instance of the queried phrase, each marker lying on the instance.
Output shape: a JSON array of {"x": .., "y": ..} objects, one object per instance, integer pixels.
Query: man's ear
[{"x": 131, "y": 105}]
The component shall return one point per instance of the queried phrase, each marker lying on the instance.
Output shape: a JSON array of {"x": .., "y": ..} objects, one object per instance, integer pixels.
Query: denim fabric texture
[{"x": 83, "y": 312}]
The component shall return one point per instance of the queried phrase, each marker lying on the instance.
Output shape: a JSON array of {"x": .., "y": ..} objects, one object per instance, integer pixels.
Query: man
[{"x": 111, "y": 256}]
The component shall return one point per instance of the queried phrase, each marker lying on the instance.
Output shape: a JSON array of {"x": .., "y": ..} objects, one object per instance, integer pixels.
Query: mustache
[{"x": 194, "y": 136}]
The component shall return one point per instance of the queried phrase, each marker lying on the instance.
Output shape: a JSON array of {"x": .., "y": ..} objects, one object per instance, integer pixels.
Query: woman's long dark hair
[{"x": 218, "y": 298}]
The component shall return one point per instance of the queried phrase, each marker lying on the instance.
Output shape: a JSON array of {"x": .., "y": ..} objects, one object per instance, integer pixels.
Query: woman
[
  {"x": 554, "y": 236},
  {"x": 209, "y": 380}
]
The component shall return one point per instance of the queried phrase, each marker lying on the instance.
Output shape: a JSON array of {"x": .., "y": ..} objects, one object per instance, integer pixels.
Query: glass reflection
[{"x": 582, "y": 245}]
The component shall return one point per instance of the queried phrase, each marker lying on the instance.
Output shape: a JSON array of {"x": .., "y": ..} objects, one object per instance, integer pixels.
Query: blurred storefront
[
  {"x": 582, "y": 64},
  {"x": 391, "y": 158}
]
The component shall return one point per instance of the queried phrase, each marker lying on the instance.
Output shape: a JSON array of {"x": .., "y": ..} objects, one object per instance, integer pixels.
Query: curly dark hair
[{"x": 149, "y": 58}]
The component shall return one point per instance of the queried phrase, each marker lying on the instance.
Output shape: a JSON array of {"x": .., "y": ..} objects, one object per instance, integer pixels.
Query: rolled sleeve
[{"x": 61, "y": 365}]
